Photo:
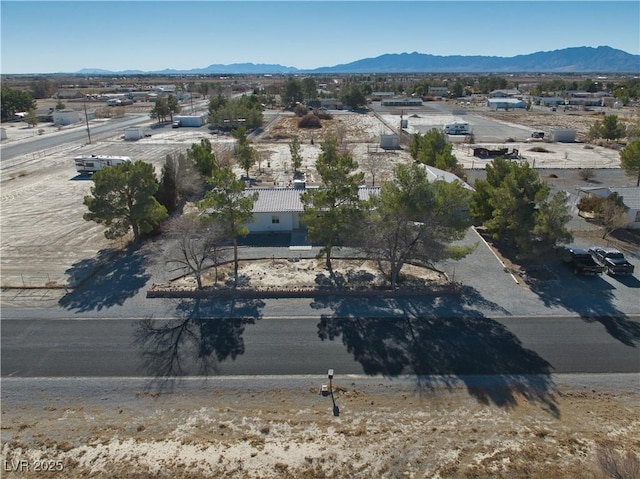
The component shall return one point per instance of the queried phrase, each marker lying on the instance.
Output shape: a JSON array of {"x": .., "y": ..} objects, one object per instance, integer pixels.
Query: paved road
[
  {"x": 289, "y": 346},
  {"x": 13, "y": 150}
]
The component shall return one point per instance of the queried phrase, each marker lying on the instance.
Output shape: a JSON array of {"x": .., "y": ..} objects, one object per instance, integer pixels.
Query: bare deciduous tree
[
  {"x": 201, "y": 243},
  {"x": 372, "y": 164},
  {"x": 614, "y": 214}
]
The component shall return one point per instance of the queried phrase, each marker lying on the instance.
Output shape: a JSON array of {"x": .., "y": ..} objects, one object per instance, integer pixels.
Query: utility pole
[{"x": 86, "y": 119}]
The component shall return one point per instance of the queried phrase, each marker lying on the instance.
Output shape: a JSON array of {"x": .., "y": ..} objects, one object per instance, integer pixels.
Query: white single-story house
[
  {"x": 549, "y": 100},
  {"x": 402, "y": 102},
  {"x": 508, "y": 93},
  {"x": 630, "y": 196},
  {"x": 379, "y": 95},
  {"x": 496, "y": 103},
  {"x": 279, "y": 209},
  {"x": 436, "y": 174}
]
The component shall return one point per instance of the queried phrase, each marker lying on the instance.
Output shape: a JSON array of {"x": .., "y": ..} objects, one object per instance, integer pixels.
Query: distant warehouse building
[
  {"x": 402, "y": 102},
  {"x": 505, "y": 103},
  {"x": 439, "y": 90}
]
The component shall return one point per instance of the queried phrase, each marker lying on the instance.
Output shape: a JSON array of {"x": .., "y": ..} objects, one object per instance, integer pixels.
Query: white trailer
[
  {"x": 189, "y": 120},
  {"x": 88, "y": 164},
  {"x": 456, "y": 128}
]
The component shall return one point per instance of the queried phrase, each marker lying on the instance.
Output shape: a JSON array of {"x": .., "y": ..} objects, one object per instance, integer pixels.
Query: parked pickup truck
[
  {"x": 580, "y": 261},
  {"x": 612, "y": 260}
]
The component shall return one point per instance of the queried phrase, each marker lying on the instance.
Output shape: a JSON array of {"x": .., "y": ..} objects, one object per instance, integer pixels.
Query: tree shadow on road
[
  {"x": 107, "y": 280},
  {"x": 207, "y": 332},
  {"x": 442, "y": 342},
  {"x": 592, "y": 298}
]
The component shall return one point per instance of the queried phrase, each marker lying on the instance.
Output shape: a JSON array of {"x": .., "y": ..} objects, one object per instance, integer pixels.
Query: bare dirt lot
[
  {"x": 384, "y": 429},
  {"x": 311, "y": 273}
]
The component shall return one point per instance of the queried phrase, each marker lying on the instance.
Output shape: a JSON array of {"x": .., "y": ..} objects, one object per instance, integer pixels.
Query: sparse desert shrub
[
  {"x": 616, "y": 465},
  {"x": 323, "y": 114},
  {"x": 309, "y": 121},
  {"x": 539, "y": 149},
  {"x": 300, "y": 110}
]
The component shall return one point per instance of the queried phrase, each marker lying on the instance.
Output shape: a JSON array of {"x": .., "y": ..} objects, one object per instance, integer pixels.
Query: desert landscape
[
  {"x": 284, "y": 428},
  {"x": 250, "y": 428}
]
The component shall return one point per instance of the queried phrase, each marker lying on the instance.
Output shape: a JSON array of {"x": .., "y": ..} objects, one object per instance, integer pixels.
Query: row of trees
[
  {"x": 227, "y": 114},
  {"x": 433, "y": 149},
  {"x": 411, "y": 219},
  {"x": 15, "y": 100},
  {"x": 165, "y": 106}
]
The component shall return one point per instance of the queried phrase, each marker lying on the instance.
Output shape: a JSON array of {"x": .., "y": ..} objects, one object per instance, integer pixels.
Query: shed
[
  {"x": 65, "y": 117},
  {"x": 133, "y": 133},
  {"x": 563, "y": 135},
  {"x": 190, "y": 120},
  {"x": 389, "y": 142}
]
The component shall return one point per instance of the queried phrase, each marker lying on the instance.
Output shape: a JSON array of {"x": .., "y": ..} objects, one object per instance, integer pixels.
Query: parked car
[
  {"x": 612, "y": 260},
  {"x": 537, "y": 134},
  {"x": 176, "y": 124},
  {"x": 580, "y": 261}
]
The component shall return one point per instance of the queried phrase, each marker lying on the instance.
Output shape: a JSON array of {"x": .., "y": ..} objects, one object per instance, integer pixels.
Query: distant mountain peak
[{"x": 601, "y": 59}]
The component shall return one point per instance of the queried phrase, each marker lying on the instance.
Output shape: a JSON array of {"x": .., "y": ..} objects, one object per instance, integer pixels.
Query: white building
[
  {"x": 402, "y": 102},
  {"x": 133, "y": 133},
  {"x": 279, "y": 209},
  {"x": 504, "y": 103},
  {"x": 563, "y": 135},
  {"x": 65, "y": 117}
]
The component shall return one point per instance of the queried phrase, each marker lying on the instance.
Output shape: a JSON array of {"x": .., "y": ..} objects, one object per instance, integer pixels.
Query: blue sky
[{"x": 53, "y": 36}]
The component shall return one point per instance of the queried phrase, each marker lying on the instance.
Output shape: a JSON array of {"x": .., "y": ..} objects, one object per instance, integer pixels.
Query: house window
[{"x": 275, "y": 219}]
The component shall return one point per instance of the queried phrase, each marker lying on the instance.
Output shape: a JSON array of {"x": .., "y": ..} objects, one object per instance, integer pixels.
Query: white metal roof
[{"x": 280, "y": 200}]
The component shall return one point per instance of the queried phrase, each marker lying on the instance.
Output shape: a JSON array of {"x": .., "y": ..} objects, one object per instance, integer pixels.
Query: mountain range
[{"x": 602, "y": 59}]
